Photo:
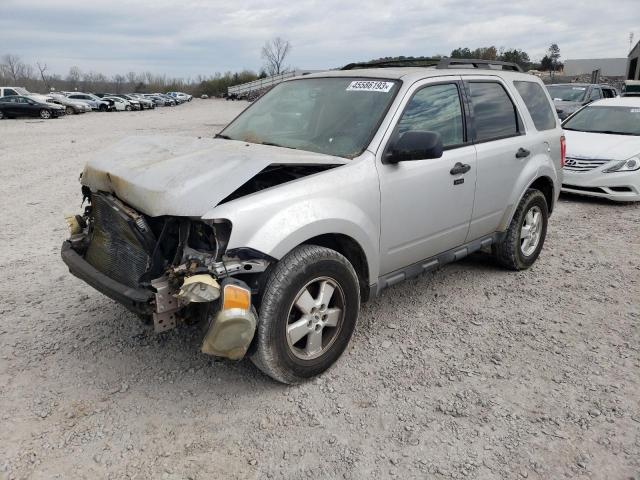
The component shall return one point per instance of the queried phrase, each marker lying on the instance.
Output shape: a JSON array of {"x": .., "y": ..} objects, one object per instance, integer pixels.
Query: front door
[{"x": 426, "y": 209}]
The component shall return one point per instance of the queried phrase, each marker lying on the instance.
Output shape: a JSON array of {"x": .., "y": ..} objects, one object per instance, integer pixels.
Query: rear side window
[
  {"x": 537, "y": 104},
  {"x": 494, "y": 113},
  {"x": 9, "y": 91}
]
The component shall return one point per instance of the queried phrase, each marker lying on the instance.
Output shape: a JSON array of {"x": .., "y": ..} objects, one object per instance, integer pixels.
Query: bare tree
[
  {"x": 13, "y": 67},
  {"x": 74, "y": 75},
  {"x": 43, "y": 68},
  {"x": 274, "y": 53},
  {"x": 118, "y": 80}
]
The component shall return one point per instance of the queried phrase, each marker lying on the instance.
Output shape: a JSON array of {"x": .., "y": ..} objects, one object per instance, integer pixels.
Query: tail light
[{"x": 563, "y": 150}]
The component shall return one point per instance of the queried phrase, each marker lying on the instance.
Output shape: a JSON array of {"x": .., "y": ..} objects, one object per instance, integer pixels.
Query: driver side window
[{"x": 435, "y": 108}]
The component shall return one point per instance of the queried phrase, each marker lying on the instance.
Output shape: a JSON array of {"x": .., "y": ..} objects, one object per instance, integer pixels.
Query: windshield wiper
[{"x": 220, "y": 135}]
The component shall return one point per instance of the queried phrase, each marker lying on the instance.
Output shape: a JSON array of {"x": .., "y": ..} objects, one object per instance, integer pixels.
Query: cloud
[{"x": 192, "y": 37}]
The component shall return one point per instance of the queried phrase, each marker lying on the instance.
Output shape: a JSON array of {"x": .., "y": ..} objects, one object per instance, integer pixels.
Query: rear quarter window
[
  {"x": 495, "y": 115},
  {"x": 537, "y": 104}
]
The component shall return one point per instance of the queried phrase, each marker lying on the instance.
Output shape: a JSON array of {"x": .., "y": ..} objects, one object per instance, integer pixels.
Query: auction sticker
[{"x": 369, "y": 86}]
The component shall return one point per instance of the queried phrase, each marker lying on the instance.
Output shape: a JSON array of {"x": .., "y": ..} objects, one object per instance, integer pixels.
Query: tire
[
  {"x": 1, "y": 114},
  {"x": 519, "y": 249},
  {"x": 102, "y": 108},
  {"x": 301, "y": 277},
  {"x": 69, "y": 111},
  {"x": 45, "y": 114},
  {"x": 128, "y": 108}
]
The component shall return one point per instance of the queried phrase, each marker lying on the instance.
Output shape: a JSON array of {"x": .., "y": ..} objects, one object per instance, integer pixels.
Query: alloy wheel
[
  {"x": 531, "y": 231},
  {"x": 315, "y": 318},
  {"x": 45, "y": 114}
]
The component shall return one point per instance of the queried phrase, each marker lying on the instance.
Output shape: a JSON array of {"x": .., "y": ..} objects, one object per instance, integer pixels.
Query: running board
[{"x": 434, "y": 262}]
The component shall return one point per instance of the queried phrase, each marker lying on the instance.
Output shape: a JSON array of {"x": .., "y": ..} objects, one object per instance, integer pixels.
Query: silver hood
[{"x": 184, "y": 176}]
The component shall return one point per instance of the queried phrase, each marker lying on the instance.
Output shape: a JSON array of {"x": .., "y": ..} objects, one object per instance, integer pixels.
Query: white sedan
[
  {"x": 603, "y": 150},
  {"x": 120, "y": 103}
]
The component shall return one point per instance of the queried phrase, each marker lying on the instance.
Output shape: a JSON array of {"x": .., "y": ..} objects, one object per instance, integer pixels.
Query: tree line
[
  {"x": 38, "y": 78},
  {"x": 550, "y": 62}
]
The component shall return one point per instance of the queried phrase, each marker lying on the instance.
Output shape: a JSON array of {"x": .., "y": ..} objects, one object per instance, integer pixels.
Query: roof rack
[
  {"x": 439, "y": 63},
  {"x": 477, "y": 63},
  {"x": 406, "y": 62}
]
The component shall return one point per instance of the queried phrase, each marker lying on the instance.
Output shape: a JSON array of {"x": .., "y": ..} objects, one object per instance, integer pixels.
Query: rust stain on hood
[{"x": 185, "y": 176}]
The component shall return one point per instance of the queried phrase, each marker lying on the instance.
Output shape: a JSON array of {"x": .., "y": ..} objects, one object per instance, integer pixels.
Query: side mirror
[{"x": 414, "y": 145}]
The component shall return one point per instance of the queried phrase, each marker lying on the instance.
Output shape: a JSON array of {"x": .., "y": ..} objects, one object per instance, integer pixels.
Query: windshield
[
  {"x": 567, "y": 93},
  {"x": 22, "y": 91},
  {"x": 336, "y": 116},
  {"x": 612, "y": 120}
]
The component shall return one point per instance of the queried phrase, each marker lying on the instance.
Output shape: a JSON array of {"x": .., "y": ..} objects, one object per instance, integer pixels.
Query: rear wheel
[
  {"x": 1, "y": 114},
  {"x": 307, "y": 315},
  {"x": 525, "y": 237},
  {"x": 45, "y": 114}
]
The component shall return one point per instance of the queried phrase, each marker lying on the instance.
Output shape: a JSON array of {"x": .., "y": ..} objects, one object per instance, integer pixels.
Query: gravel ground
[{"x": 469, "y": 372}]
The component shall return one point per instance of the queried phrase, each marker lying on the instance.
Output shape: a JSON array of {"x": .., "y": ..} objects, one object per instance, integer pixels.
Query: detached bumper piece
[{"x": 135, "y": 299}]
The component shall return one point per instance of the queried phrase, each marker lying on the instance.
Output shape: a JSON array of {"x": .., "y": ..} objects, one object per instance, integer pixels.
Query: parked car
[
  {"x": 631, "y": 88},
  {"x": 168, "y": 99},
  {"x": 569, "y": 97},
  {"x": 119, "y": 104},
  {"x": 71, "y": 107},
  {"x": 603, "y": 150},
  {"x": 133, "y": 102},
  {"x": 325, "y": 191},
  {"x": 22, "y": 106},
  {"x": 8, "y": 91},
  {"x": 96, "y": 103},
  {"x": 145, "y": 103},
  {"x": 180, "y": 96},
  {"x": 157, "y": 100},
  {"x": 204, "y": 96}
]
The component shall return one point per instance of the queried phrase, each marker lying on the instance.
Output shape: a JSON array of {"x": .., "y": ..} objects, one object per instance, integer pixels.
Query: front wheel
[
  {"x": 45, "y": 114},
  {"x": 1, "y": 114},
  {"x": 128, "y": 108},
  {"x": 307, "y": 315},
  {"x": 69, "y": 111},
  {"x": 523, "y": 241}
]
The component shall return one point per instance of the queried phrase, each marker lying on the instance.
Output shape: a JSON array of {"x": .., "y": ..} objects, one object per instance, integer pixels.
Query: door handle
[
  {"x": 459, "y": 168},
  {"x": 522, "y": 153}
]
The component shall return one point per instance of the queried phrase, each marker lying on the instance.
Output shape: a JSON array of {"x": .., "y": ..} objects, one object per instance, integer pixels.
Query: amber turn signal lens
[{"x": 236, "y": 297}]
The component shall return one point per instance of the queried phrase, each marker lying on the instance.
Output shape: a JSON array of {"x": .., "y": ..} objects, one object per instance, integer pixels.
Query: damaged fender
[{"x": 276, "y": 220}]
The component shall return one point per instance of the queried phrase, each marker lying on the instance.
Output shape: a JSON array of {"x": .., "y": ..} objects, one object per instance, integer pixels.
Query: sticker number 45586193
[{"x": 369, "y": 86}]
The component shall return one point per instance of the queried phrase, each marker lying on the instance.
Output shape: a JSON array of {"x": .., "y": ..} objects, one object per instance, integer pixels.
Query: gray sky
[{"x": 191, "y": 37}]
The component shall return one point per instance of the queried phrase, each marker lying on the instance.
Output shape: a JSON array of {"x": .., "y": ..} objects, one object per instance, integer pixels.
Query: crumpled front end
[{"x": 169, "y": 269}]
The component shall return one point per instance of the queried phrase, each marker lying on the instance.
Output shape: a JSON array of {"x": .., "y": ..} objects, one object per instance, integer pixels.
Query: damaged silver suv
[{"x": 321, "y": 194}]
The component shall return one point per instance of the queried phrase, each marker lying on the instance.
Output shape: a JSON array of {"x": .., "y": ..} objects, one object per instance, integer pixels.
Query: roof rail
[
  {"x": 406, "y": 62},
  {"x": 477, "y": 63}
]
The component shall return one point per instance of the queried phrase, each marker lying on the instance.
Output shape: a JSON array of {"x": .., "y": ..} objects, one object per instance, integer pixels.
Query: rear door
[
  {"x": 502, "y": 147},
  {"x": 425, "y": 209}
]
